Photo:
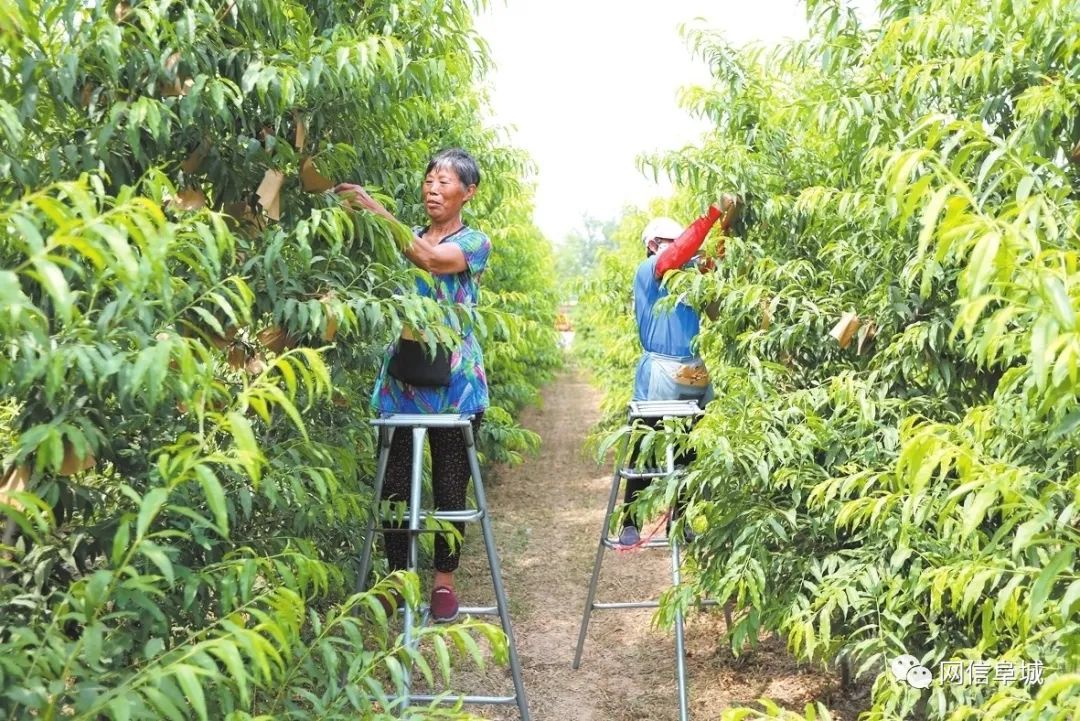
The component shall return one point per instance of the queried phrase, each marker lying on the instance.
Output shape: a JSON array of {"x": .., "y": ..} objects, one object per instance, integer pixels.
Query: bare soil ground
[{"x": 546, "y": 516}]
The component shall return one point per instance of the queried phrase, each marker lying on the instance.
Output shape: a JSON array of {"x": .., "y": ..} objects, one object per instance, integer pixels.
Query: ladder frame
[
  {"x": 419, "y": 423},
  {"x": 635, "y": 411}
]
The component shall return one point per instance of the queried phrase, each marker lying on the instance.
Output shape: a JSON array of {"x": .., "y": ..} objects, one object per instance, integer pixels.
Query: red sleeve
[{"x": 686, "y": 245}]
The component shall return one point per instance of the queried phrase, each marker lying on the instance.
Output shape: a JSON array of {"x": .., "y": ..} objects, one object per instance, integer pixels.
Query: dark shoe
[
  {"x": 688, "y": 534},
  {"x": 629, "y": 536},
  {"x": 444, "y": 605}
]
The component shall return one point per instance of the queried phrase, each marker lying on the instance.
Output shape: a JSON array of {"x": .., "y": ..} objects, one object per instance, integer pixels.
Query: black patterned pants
[{"x": 449, "y": 481}]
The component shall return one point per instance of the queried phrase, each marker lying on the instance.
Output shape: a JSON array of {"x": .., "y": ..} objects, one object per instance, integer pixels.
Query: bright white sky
[{"x": 590, "y": 84}]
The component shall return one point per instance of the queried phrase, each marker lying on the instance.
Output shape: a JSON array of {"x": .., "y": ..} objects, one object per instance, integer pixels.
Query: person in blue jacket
[{"x": 670, "y": 368}]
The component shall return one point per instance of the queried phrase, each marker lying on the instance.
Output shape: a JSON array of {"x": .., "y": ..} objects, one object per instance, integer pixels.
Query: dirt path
[{"x": 546, "y": 515}]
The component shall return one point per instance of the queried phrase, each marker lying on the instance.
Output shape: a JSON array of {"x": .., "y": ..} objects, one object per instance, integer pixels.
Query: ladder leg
[
  {"x": 680, "y": 643},
  {"x": 496, "y": 573},
  {"x": 414, "y": 526},
  {"x": 386, "y": 437},
  {"x": 591, "y": 596}
]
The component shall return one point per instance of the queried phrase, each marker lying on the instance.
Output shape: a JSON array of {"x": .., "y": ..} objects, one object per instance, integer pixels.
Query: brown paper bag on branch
[
  {"x": 845, "y": 328},
  {"x": 195, "y": 158},
  {"x": 269, "y": 192},
  {"x": 189, "y": 199},
  {"x": 301, "y": 130},
  {"x": 866, "y": 335},
  {"x": 12, "y": 482},
  {"x": 311, "y": 179}
]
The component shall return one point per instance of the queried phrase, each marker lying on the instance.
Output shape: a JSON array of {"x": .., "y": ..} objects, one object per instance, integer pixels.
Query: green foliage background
[
  {"x": 580, "y": 252},
  {"x": 919, "y": 494},
  {"x": 204, "y": 567}
]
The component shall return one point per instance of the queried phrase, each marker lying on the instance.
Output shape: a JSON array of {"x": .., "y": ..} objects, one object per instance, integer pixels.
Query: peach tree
[
  {"x": 191, "y": 325},
  {"x": 890, "y": 464}
]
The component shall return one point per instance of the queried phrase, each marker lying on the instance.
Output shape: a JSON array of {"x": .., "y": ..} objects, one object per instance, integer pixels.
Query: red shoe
[{"x": 444, "y": 605}]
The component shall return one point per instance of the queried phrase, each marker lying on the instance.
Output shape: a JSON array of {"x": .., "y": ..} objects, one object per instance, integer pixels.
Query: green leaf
[
  {"x": 1067, "y": 426},
  {"x": 215, "y": 496},
  {"x": 189, "y": 681},
  {"x": 1024, "y": 533},
  {"x": 1070, "y": 599},
  {"x": 1060, "y": 303},
  {"x": 162, "y": 704},
  {"x": 1040, "y": 590},
  {"x": 229, "y": 655},
  {"x": 159, "y": 558},
  {"x": 929, "y": 218},
  {"x": 120, "y": 707},
  {"x": 53, "y": 282},
  {"x": 247, "y": 449},
  {"x": 981, "y": 265},
  {"x": 151, "y": 504},
  {"x": 1023, "y": 189}
]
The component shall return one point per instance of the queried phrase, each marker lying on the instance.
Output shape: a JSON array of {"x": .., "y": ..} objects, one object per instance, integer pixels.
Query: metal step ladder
[
  {"x": 419, "y": 424},
  {"x": 642, "y": 410}
]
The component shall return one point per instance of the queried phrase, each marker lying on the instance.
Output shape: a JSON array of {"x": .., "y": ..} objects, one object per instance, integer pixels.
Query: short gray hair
[{"x": 463, "y": 165}]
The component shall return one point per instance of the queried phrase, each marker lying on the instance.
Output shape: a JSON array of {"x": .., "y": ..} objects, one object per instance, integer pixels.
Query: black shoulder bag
[{"x": 411, "y": 364}]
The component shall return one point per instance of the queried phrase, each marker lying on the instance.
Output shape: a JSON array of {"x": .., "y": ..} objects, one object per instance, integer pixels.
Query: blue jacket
[{"x": 669, "y": 333}]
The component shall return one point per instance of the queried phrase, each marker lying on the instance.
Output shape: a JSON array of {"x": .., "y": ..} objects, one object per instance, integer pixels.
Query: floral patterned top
[{"x": 468, "y": 389}]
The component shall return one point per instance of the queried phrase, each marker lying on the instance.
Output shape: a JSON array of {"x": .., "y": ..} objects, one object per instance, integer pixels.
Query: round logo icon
[
  {"x": 901, "y": 665},
  {"x": 919, "y": 677}
]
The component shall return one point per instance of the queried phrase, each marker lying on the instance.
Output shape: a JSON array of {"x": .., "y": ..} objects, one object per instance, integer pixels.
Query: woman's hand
[{"x": 356, "y": 197}]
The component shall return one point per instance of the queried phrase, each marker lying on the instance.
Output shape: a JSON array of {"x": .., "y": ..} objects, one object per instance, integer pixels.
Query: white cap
[{"x": 661, "y": 227}]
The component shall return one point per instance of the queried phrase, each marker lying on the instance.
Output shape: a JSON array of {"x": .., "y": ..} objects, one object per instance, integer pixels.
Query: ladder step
[
  {"x": 424, "y": 420},
  {"x": 424, "y": 611},
  {"x": 627, "y": 604},
  {"x": 644, "y": 604},
  {"x": 664, "y": 409},
  {"x": 466, "y": 516},
  {"x": 646, "y": 473},
  {"x": 612, "y": 542},
  {"x": 444, "y": 698},
  {"x": 479, "y": 610}
]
